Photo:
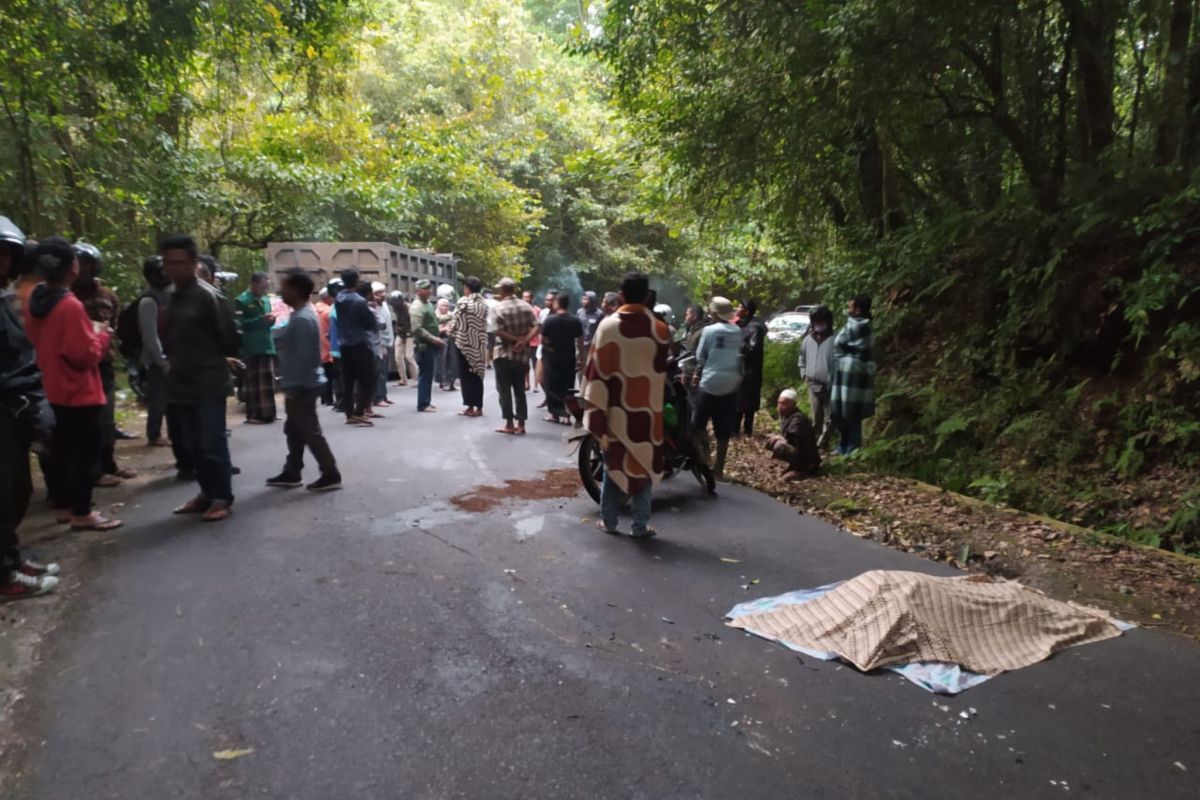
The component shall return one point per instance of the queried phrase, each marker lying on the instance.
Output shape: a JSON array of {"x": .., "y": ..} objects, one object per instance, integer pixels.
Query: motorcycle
[{"x": 681, "y": 451}]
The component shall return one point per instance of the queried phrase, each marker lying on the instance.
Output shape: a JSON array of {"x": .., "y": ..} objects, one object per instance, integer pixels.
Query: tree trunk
[
  {"x": 1173, "y": 121},
  {"x": 1093, "y": 28},
  {"x": 1191, "y": 135}
]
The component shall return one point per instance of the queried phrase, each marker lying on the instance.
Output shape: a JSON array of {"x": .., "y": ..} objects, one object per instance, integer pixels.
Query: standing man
[
  {"x": 816, "y": 353},
  {"x": 516, "y": 325},
  {"x": 102, "y": 306},
  {"x": 795, "y": 444},
  {"x": 624, "y": 386},
  {"x": 151, "y": 314},
  {"x": 22, "y": 417},
  {"x": 532, "y": 379},
  {"x": 203, "y": 335},
  {"x": 299, "y": 346},
  {"x": 718, "y": 376},
  {"x": 406, "y": 365},
  {"x": 322, "y": 308},
  {"x": 423, "y": 316},
  {"x": 469, "y": 332},
  {"x": 70, "y": 347},
  {"x": 387, "y": 339},
  {"x": 258, "y": 350},
  {"x": 852, "y": 398},
  {"x": 355, "y": 321},
  {"x": 590, "y": 315},
  {"x": 754, "y": 340},
  {"x": 562, "y": 356}
]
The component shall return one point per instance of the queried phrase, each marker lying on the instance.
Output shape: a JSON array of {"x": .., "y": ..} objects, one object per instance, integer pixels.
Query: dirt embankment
[{"x": 1151, "y": 587}]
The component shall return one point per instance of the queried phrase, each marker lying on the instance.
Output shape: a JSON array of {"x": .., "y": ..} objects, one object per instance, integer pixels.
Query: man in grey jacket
[
  {"x": 816, "y": 354},
  {"x": 298, "y": 344}
]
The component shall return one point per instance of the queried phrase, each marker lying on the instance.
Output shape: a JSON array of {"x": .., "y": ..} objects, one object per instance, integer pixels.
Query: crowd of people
[{"x": 338, "y": 346}]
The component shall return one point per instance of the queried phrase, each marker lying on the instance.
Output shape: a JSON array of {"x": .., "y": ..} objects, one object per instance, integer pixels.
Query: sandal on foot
[
  {"x": 125, "y": 473},
  {"x": 197, "y": 505},
  {"x": 96, "y": 522},
  {"x": 647, "y": 533},
  {"x": 217, "y": 512},
  {"x": 509, "y": 431},
  {"x": 600, "y": 526}
]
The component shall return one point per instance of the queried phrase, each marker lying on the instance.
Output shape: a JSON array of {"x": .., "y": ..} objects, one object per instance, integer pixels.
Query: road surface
[{"x": 380, "y": 642}]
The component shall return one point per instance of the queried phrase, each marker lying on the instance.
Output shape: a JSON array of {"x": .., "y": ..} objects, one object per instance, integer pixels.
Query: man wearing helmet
[
  {"x": 102, "y": 306},
  {"x": 21, "y": 399}
]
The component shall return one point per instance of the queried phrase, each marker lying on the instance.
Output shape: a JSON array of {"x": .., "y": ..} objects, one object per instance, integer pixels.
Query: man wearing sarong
[{"x": 625, "y": 381}]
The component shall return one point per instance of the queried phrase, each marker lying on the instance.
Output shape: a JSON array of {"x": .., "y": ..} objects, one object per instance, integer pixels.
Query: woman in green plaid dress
[{"x": 852, "y": 398}]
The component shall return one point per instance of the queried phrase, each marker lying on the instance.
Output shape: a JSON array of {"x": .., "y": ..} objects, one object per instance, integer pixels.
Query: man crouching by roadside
[{"x": 796, "y": 442}]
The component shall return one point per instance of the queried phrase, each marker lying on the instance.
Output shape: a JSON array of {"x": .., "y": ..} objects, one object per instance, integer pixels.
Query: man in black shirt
[{"x": 562, "y": 354}]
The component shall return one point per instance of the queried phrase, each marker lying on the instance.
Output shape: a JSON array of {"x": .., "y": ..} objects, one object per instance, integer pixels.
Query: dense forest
[{"x": 1015, "y": 183}]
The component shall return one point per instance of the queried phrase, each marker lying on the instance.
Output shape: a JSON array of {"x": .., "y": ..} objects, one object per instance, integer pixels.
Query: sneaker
[
  {"x": 19, "y": 586},
  {"x": 325, "y": 483},
  {"x": 35, "y": 570},
  {"x": 287, "y": 480}
]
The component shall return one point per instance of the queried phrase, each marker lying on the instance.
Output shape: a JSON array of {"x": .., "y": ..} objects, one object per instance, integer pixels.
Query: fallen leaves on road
[{"x": 1141, "y": 584}]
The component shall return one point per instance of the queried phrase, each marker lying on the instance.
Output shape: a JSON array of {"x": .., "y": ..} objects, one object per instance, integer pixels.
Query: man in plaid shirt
[{"x": 516, "y": 325}]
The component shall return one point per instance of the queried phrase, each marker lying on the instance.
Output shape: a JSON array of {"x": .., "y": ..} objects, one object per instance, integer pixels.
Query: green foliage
[{"x": 779, "y": 369}]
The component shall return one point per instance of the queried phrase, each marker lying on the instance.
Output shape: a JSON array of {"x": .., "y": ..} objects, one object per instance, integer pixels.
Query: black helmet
[
  {"x": 90, "y": 251},
  {"x": 12, "y": 238}
]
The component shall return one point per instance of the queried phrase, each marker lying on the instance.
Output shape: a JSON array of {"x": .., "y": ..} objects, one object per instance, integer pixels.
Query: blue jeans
[
  {"x": 849, "y": 435},
  {"x": 381, "y": 376},
  {"x": 426, "y": 363},
  {"x": 203, "y": 427},
  {"x": 611, "y": 500}
]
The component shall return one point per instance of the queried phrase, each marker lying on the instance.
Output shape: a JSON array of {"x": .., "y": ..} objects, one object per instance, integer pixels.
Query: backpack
[{"x": 129, "y": 332}]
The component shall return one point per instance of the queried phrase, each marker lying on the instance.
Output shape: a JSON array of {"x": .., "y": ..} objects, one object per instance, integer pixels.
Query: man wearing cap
[
  {"x": 718, "y": 376},
  {"x": 796, "y": 442},
  {"x": 423, "y": 317},
  {"x": 516, "y": 325},
  {"x": 253, "y": 309}
]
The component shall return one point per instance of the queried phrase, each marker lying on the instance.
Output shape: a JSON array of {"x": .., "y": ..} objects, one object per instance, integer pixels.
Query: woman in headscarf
[
  {"x": 468, "y": 332},
  {"x": 852, "y": 396},
  {"x": 447, "y": 364}
]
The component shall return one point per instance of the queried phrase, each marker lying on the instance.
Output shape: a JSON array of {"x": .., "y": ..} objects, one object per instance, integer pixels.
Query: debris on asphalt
[
  {"x": 1181, "y": 766},
  {"x": 731, "y": 560},
  {"x": 667, "y": 620},
  {"x": 229, "y": 755}
]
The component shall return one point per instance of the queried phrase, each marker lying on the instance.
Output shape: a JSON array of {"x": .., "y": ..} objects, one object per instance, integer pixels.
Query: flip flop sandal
[
  {"x": 126, "y": 473},
  {"x": 600, "y": 526},
  {"x": 98, "y": 523},
  {"x": 509, "y": 431},
  {"x": 193, "y": 506},
  {"x": 649, "y": 533}
]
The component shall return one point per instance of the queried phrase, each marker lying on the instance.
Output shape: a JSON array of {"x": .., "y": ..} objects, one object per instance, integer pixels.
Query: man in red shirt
[{"x": 70, "y": 347}]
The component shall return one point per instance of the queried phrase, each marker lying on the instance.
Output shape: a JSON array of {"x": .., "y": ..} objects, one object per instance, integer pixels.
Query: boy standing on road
[{"x": 299, "y": 346}]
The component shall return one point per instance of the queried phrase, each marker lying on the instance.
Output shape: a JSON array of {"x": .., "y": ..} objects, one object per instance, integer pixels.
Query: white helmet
[{"x": 665, "y": 312}]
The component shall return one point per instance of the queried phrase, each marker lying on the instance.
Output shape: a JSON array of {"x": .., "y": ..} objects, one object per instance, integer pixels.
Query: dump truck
[{"x": 398, "y": 268}]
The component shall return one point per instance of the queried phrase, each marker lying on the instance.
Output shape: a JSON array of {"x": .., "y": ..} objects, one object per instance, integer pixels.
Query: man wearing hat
[
  {"x": 718, "y": 376},
  {"x": 423, "y": 316},
  {"x": 516, "y": 325},
  {"x": 796, "y": 442}
]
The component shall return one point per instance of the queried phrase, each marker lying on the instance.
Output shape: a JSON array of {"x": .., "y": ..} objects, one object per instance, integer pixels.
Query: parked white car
[{"x": 787, "y": 326}]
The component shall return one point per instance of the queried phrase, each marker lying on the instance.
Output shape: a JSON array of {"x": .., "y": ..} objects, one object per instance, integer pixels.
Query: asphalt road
[{"x": 377, "y": 642}]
